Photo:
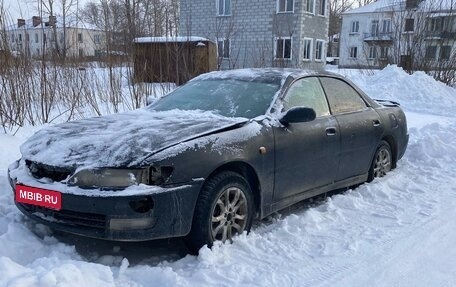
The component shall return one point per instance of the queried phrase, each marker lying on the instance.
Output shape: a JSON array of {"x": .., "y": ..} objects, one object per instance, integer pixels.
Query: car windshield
[{"x": 227, "y": 97}]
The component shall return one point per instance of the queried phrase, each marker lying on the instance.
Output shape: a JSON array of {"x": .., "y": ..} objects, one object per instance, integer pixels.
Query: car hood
[{"x": 122, "y": 139}]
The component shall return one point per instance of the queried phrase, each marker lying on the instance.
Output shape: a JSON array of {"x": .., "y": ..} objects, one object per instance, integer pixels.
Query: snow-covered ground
[{"x": 395, "y": 231}]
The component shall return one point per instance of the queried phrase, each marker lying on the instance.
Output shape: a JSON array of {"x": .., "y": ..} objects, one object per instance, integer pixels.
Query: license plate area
[{"x": 38, "y": 196}]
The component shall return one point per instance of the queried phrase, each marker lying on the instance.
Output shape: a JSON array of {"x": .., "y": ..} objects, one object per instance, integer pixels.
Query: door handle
[
  {"x": 376, "y": 123},
  {"x": 331, "y": 131}
]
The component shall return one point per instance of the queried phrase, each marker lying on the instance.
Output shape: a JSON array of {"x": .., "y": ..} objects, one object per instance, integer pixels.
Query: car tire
[
  {"x": 382, "y": 162},
  {"x": 224, "y": 208}
]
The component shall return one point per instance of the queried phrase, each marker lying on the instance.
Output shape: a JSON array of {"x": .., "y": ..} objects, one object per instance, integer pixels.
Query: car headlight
[{"x": 118, "y": 178}]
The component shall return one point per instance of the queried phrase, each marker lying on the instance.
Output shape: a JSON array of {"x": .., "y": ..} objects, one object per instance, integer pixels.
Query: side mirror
[{"x": 298, "y": 115}]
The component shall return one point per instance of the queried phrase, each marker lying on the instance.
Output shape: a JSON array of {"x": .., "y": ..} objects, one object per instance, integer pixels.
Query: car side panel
[{"x": 212, "y": 152}]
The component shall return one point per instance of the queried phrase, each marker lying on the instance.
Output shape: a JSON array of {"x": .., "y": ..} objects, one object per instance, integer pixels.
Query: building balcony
[
  {"x": 378, "y": 37},
  {"x": 447, "y": 35}
]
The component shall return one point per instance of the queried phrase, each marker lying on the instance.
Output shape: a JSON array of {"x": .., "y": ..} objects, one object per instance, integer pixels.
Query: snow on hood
[{"x": 119, "y": 140}]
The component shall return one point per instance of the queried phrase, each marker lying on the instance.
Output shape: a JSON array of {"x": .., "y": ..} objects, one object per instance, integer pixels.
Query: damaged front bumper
[{"x": 143, "y": 216}]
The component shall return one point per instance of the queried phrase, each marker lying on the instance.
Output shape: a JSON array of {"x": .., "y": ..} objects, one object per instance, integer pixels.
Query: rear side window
[
  {"x": 342, "y": 97},
  {"x": 307, "y": 92}
]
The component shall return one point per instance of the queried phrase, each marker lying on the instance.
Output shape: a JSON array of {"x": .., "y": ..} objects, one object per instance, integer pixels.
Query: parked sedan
[{"x": 209, "y": 157}]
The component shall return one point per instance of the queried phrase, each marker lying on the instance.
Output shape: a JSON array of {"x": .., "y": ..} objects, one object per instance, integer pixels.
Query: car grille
[
  {"x": 79, "y": 219},
  {"x": 40, "y": 170}
]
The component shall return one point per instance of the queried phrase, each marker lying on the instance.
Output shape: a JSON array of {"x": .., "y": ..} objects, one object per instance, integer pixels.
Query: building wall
[{"x": 253, "y": 28}]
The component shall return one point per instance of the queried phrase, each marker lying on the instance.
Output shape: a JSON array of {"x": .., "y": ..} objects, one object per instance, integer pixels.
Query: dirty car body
[{"x": 139, "y": 175}]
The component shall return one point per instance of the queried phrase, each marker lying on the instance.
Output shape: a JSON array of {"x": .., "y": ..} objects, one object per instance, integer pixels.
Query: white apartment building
[
  {"x": 403, "y": 32},
  {"x": 37, "y": 37}
]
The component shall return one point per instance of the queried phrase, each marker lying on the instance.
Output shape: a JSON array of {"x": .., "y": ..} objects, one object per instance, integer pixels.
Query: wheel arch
[{"x": 249, "y": 173}]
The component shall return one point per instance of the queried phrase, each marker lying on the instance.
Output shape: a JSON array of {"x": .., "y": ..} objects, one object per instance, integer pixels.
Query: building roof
[
  {"x": 71, "y": 22},
  {"x": 391, "y": 5},
  {"x": 375, "y": 7},
  {"x": 169, "y": 39}
]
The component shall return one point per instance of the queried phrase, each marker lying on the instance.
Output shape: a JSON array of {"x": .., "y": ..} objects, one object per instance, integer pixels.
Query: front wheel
[
  {"x": 224, "y": 209},
  {"x": 382, "y": 162}
]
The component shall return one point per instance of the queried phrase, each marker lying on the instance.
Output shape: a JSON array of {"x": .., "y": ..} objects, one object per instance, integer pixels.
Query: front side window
[
  {"x": 80, "y": 37},
  {"x": 310, "y": 6},
  {"x": 342, "y": 97},
  {"x": 223, "y": 48},
  {"x": 223, "y": 7},
  {"x": 283, "y": 48},
  {"x": 354, "y": 52},
  {"x": 36, "y": 37},
  {"x": 308, "y": 42},
  {"x": 319, "y": 50},
  {"x": 307, "y": 92},
  {"x": 354, "y": 27},
  {"x": 284, "y": 6}
]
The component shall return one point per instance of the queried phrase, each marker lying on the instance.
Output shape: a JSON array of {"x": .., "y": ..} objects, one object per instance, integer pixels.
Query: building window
[
  {"x": 284, "y": 6},
  {"x": 322, "y": 10},
  {"x": 80, "y": 37},
  {"x": 354, "y": 52},
  {"x": 223, "y": 7},
  {"x": 27, "y": 37},
  {"x": 434, "y": 24},
  {"x": 36, "y": 37},
  {"x": 44, "y": 38},
  {"x": 81, "y": 53},
  {"x": 319, "y": 50},
  {"x": 308, "y": 43},
  {"x": 409, "y": 25},
  {"x": 97, "y": 39},
  {"x": 372, "y": 52},
  {"x": 384, "y": 52},
  {"x": 411, "y": 4},
  {"x": 223, "y": 48},
  {"x": 374, "y": 28},
  {"x": 20, "y": 38},
  {"x": 12, "y": 38},
  {"x": 386, "y": 26},
  {"x": 310, "y": 6},
  {"x": 445, "y": 52},
  {"x": 431, "y": 51},
  {"x": 354, "y": 27},
  {"x": 283, "y": 48}
]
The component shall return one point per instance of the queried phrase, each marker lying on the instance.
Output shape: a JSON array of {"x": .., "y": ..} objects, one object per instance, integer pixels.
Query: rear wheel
[
  {"x": 224, "y": 209},
  {"x": 382, "y": 162}
]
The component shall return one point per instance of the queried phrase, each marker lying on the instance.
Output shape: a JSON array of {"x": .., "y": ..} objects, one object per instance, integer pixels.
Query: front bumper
[{"x": 114, "y": 218}]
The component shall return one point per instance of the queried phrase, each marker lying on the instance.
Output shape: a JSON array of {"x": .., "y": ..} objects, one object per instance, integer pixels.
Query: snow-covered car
[{"x": 209, "y": 157}]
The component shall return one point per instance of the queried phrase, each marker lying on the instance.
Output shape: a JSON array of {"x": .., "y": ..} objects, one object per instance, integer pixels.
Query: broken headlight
[{"x": 118, "y": 178}]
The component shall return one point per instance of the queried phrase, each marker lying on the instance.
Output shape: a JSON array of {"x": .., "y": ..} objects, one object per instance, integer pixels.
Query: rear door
[
  {"x": 360, "y": 127},
  {"x": 306, "y": 154}
]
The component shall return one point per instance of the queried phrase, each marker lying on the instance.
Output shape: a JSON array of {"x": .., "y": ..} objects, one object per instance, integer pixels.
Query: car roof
[{"x": 264, "y": 74}]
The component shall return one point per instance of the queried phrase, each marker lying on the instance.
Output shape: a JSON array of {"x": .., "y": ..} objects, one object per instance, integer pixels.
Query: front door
[{"x": 306, "y": 154}]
